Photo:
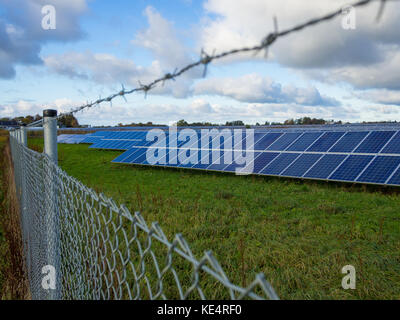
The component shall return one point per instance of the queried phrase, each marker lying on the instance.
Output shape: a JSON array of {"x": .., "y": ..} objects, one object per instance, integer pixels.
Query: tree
[
  {"x": 69, "y": 121},
  {"x": 182, "y": 123},
  {"x": 237, "y": 123},
  {"x": 289, "y": 122}
]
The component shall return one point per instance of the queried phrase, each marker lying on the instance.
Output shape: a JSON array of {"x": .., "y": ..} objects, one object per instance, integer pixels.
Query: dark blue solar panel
[
  {"x": 232, "y": 167},
  {"x": 111, "y": 144},
  {"x": 206, "y": 160},
  {"x": 138, "y": 157},
  {"x": 394, "y": 145},
  {"x": 218, "y": 142},
  {"x": 380, "y": 169},
  {"x": 258, "y": 136},
  {"x": 351, "y": 168},
  {"x": 325, "y": 142},
  {"x": 284, "y": 141},
  {"x": 263, "y": 159},
  {"x": 301, "y": 165},
  {"x": 325, "y": 166},
  {"x": 126, "y": 154},
  {"x": 304, "y": 141},
  {"x": 64, "y": 138},
  {"x": 374, "y": 142},
  {"x": 181, "y": 157},
  {"x": 279, "y": 163},
  {"x": 90, "y": 139},
  {"x": 349, "y": 141},
  {"x": 218, "y": 166},
  {"x": 266, "y": 141},
  {"x": 395, "y": 179}
]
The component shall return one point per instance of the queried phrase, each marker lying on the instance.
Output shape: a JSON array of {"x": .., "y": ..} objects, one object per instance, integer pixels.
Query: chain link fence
[{"x": 100, "y": 250}]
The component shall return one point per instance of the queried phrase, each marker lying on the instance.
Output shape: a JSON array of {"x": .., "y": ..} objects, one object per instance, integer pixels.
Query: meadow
[{"x": 298, "y": 233}]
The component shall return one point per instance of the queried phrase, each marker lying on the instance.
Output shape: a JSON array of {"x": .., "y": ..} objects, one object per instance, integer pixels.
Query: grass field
[{"x": 298, "y": 233}]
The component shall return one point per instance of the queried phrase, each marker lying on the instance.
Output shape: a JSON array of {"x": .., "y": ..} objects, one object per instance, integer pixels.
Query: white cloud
[
  {"x": 385, "y": 74},
  {"x": 26, "y": 107},
  {"x": 384, "y": 96},
  {"x": 254, "y": 88},
  {"x": 100, "y": 67},
  {"x": 161, "y": 39}
]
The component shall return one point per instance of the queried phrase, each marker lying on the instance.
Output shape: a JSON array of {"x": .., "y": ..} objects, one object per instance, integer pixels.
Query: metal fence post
[
  {"x": 24, "y": 136},
  {"x": 50, "y": 134},
  {"x": 52, "y": 210}
]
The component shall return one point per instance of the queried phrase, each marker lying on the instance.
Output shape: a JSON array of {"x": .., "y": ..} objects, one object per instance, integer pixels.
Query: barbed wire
[{"x": 206, "y": 59}]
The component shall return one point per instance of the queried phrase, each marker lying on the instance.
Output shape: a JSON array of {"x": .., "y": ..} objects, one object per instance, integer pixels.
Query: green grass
[{"x": 299, "y": 234}]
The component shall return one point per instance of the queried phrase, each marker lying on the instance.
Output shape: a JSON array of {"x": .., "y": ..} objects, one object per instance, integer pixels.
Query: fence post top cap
[{"x": 49, "y": 113}]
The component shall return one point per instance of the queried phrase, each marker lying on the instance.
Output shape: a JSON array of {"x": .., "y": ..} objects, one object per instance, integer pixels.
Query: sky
[{"x": 327, "y": 71}]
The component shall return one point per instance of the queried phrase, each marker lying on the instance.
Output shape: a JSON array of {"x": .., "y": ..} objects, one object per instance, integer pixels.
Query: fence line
[
  {"x": 205, "y": 59},
  {"x": 101, "y": 250}
]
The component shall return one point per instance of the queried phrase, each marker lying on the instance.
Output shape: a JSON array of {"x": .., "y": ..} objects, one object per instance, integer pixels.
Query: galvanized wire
[
  {"x": 205, "y": 59},
  {"x": 101, "y": 250}
]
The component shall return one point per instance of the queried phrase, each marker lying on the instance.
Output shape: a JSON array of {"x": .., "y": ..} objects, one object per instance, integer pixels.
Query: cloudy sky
[{"x": 325, "y": 71}]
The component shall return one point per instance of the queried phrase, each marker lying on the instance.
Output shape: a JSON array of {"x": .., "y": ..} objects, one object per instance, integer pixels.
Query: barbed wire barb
[{"x": 122, "y": 93}]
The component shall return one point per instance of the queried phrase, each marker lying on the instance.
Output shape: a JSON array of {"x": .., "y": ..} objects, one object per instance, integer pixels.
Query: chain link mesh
[{"x": 102, "y": 251}]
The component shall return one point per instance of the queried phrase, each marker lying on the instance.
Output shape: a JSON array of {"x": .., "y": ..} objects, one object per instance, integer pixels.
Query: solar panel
[
  {"x": 325, "y": 166},
  {"x": 375, "y": 142},
  {"x": 266, "y": 140},
  {"x": 263, "y": 159},
  {"x": 351, "y": 168},
  {"x": 71, "y": 138},
  {"x": 349, "y": 141},
  {"x": 395, "y": 178},
  {"x": 357, "y": 155},
  {"x": 380, "y": 169},
  {"x": 284, "y": 141},
  {"x": 326, "y": 141},
  {"x": 304, "y": 141},
  {"x": 299, "y": 167},
  {"x": 279, "y": 163},
  {"x": 394, "y": 145}
]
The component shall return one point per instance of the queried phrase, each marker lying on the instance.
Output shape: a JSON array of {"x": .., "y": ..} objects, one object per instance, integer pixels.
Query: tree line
[{"x": 68, "y": 121}]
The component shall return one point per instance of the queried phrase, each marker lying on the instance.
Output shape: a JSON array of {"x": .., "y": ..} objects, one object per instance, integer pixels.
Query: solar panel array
[
  {"x": 362, "y": 156},
  {"x": 71, "y": 138}
]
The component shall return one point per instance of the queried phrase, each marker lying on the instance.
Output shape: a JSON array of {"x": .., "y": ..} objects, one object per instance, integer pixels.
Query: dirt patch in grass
[{"x": 13, "y": 281}]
